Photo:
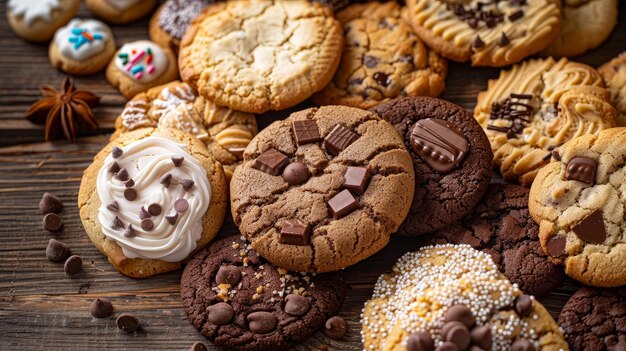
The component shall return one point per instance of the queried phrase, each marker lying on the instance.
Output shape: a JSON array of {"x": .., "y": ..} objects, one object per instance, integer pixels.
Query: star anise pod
[{"x": 64, "y": 111}]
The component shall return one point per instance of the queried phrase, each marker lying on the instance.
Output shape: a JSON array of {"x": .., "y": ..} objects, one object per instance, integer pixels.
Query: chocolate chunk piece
[
  {"x": 172, "y": 217},
  {"x": 100, "y": 307},
  {"x": 181, "y": 205},
  {"x": 147, "y": 224},
  {"x": 127, "y": 322},
  {"x": 113, "y": 206},
  {"x": 460, "y": 313},
  {"x": 343, "y": 204},
  {"x": 187, "y": 184},
  {"x": 296, "y": 173},
  {"x": 154, "y": 209},
  {"x": 516, "y": 15},
  {"x": 130, "y": 194},
  {"x": 130, "y": 231},
  {"x": 339, "y": 139},
  {"x": 523, "y": 305},
  {"x": 370, "y": 61},
  {"x": 50, "y": 204},
  {"x": 114, "y": 167},
  {"x": 261, "y": 322},
  {"x": 356, "y": 179},
  {"x": 73, "y": 265},
  {"x": 177, "y": 160},
  {"x": 166, "y": 179},
  {"x": 198, "y": 346},
  {"x": 117, "y": 224},
  {"x": 382, "y": 78},
  {"x": 439, "y": 144},
  {"x": 305, "y": 131},
  {"x": 116, "y": 152},
  {"x": 482, "y": 337},
  {"x": 591, "y": 228},
  {"x": 57, "y": 251},
  {"x": 296, "y": 305},
  {"x": 220, "y": 313},
  {"x": 420, "y": 341},
  {"x": 335, "y": 327},
  {"x": 556, "y": 246},
  {"x": 129, "y": 183},
  {"x": 522, "y": 345},
  {"x": 582, "y": 169},
  {"x": 230, "y": 275},
  {"x": 271, "y": 162},
  {"x": 52, "y": 222},
  {"x": 295, "y": 232},
  {"x": 143, "y": 214},
  {"x": 122, "y": 175}
]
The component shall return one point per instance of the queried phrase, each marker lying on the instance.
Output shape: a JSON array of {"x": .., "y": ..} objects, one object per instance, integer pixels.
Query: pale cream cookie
[
  {"x": 150, "y": 199},
  {"x": 614, "y": 74},
  {"x": 536, "y": 106},
  {"x": 140, "y": 65},
  {"x": 82, "y": 47},
  {"x": 37, "y": 20},
  {"x": 225, "y": 132},
  {"x": 495, "y": 33},
  {"x": 120, "y": 11}
]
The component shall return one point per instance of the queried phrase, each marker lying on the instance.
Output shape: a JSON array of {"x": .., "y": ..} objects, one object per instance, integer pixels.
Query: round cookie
[
  {"x": 449, "y": 184},
  {"x": 451, "y": 297},
  {"x": 614, "y": 74},
  {"x": 150, "y": 199},
  {"x": 120, "y": 11},
  {"x": 82, "y": 47},
  {"x": 241, "y": 302},
  {"x": 501, "y": 226},
  {"x": 225, "y": 132},
  {"x": 536, "y": 106},
  {"x": 37, "y": 20},
  {"x": 578, "y": 203},
  {"x": 336, "y": 5},
  {"x": 261, "y": 56},
  {"x": 594, "y": 319},
  {"x": 586, "y": 25},
  {"x": 171, "y": 20},
  {"x": 140, "y": 65},
  {"x": 493, "y": 34},
  {"x": 322, "y": 189}
]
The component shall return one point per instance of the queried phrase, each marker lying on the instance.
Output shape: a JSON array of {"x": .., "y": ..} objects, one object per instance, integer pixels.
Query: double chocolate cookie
[
  {"x": 240, "y": 302},
  {"x": 451, "y": 156}
]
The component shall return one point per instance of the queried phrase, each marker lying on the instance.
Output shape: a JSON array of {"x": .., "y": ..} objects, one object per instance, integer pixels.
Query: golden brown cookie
[
  {"x": 120, "y": 11},
  {"x": 536, "y": 106},
  {"x": 225, "y": 132},
  {"x": 37, "y": 20},
  {"x": 614, "y": 74},
  {"x": 493, "y": 34},
  {"x": 171, "y": 20},
  {"x": 382, "y": 59},
  {"x": 578, "y": 201},
  {"x": 150, "y": 199},
  {"x": 257, "y": 56}
]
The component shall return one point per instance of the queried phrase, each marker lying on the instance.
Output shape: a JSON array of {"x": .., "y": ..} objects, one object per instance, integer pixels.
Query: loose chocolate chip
[
  {"x": 198, "y": 347},
  {"x": 522, "y": 345},
  {"x": 356, "y": 179},
  {"x": 127, "y": 322},
  {"x": 459, "y": 335},
  {"x": 447, "y": 346},
  {"x": 57, "y": 251},
  {"x": 221, "y": 313},
  {"x": 261, "y": 322},
  {"x": 154, "y": 209},
  {"x": 382, "y": 78},
  {"x": 166, "y": 179},
  {"x": 130, "y": 231},
  {"x": 582, "y": 169},
  {"x": 296, "y": 173},
  {"x": 296, "y": 305},
  {"x": 305, "y": 132},
  {"x": 504, "y": 40},
  {"x": 100, "y": 307},
  {"x": 130, "y": 194},
  {"x": 116, "y": 152},
  {"x": 122, "y": 175},
  {"x": 482, "y": 337},
  {"x": 50, "y": 204},
  {"x": 420, "y": 341},
  {"x": 171, "y": 217},
  {"x": 177, "y": 160},
  {"x": 591, "y": 228},
  {"x": 117, "y": 224},
  {"x": 556, "y": 246},
  {"x": 114, "y": 167},
  {"x": 230, "y": 275},
  {"x": 460, "y": 313},
  {"x": 370, "y": 61},
  {"x": 478, "y": 43},
  {"x": 129, "y": 183},
  {"x": 52, "y": 222},
  {"x": 441, "y": 145},
  {"x": 335, "y": 327},
  {"x": 73, "y": 265},
  {"x": 343, "y": 204},
  {"x": 339, "y": 139},
  {"x": 147, "y": 224},
  {"x": 181, "y": 205},
  {"x": 113, "y": 206},
  {"x": 271, "y": 162},
  {"x": 523, "y": 305},
  {"x": 295, "y": 232},
  {"x": 187, "y": 184},
  {"x": 143, "y": 214}
]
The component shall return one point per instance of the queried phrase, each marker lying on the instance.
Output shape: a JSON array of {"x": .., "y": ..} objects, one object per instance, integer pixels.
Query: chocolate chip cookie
[
  {"x": 595, "y": 320},
  {"x": 382, "y": 59},
  {"x": 614, "y": 74},
  {"x": 451, "y": 157},
  {"x": 322, "y": 189},
  {"x": 241, "y": 302},
  {"x": 578, "y": 201}
]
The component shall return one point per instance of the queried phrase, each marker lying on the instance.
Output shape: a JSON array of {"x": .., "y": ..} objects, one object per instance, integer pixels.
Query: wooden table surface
[{"x": 43, "y": 309}]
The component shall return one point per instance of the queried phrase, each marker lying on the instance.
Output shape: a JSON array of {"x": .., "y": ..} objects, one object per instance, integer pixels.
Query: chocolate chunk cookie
[
  {"x": 595, "y": 320},
  {"x": 501, "y": 226},
  {"x": 241, "y": 302},
  {"x": 451, "y": 157},
  {"x": 323, "y": 189}
]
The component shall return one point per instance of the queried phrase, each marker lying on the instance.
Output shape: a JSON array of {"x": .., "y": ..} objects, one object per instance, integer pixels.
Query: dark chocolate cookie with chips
[
  {"x": 241, "y": 302},
  {"x": 595, "y": 320},
  {"x": 501, "y": 226},
  {"x": 451, "y": 156}
]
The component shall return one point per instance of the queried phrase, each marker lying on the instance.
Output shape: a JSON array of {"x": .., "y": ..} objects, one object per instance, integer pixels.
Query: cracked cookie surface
[
  {"x": 578, "y": 200},
  {"x": 536, "y": 106},
  {"x": 382, "y": 59},
  {"x": 257, "y": 56},
  {"x": 220, "y": 305},
  {"x": 614, "y": 74},
  {"x": 341, "y": 137}
]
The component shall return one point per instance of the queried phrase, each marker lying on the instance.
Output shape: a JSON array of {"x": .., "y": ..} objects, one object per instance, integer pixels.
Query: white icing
[
  {"x": 123, "y": 4},
  {"x": 126, "y": 65},
  {"x": 34, "y": 9},
  {"x": 81, "y": 47},
  {"x": 146, "y": 161}
]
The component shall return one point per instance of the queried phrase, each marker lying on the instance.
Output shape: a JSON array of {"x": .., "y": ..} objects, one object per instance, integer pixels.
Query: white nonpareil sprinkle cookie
[{"x": 452, "y": 297}]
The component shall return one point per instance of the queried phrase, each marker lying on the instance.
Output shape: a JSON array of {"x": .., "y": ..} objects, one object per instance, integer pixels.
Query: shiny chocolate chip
[
  {"x": 230, "y": 275},
  {"x": 101, "y": 307},
  {"x": 221, "y": 313},
  {"x": 261, "y": 322},
  {"x": 296, "y": 305}
]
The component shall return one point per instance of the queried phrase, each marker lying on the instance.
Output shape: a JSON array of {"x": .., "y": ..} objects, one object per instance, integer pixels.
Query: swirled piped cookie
[
  {"x": 225, "y": 132},
  {"x": 578, "y": 201},
  {"x": 614, "y": 73},
  {"x": 150, "y": 199},
  {"x": 536, "y": 106},
  {"x": 450, "y": 298},
  {"x": 495, "y": 33}
]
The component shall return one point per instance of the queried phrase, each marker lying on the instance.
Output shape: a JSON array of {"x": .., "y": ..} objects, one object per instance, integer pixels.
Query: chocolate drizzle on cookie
[
  {"x": 516, "y": 109},
  {"x": 439, "y": 144}
]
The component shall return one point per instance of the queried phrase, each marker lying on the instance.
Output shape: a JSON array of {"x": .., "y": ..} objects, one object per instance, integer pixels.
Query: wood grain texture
[{"x": 43, "y": 309}]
